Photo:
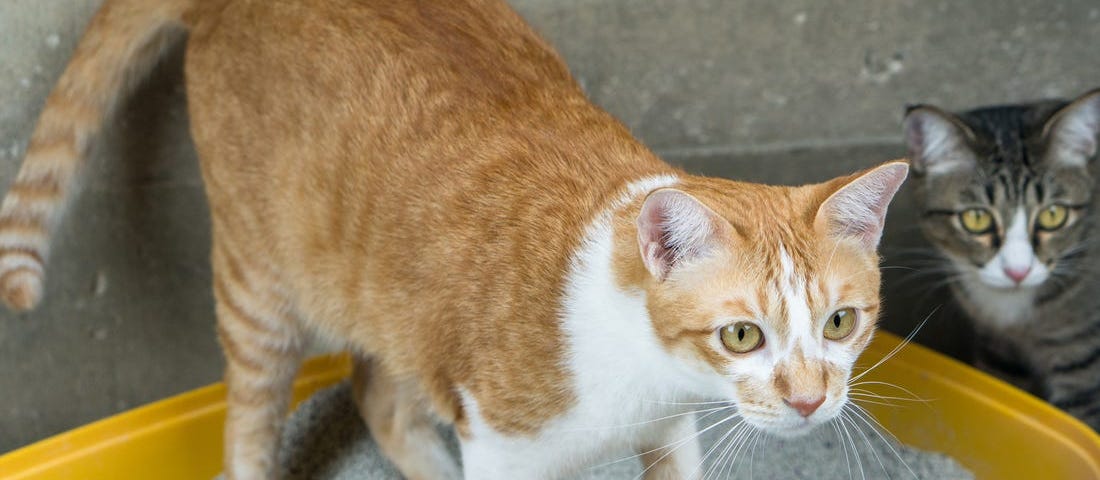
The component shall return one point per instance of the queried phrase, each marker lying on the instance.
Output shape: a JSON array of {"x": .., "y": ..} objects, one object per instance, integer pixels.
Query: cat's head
[
  {"x": 771, "y": 292},
  {"x": 1005, "y": 194}
]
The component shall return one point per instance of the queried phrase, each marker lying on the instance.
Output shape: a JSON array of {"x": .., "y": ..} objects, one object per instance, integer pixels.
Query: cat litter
[{"x": 326, "y": 439}]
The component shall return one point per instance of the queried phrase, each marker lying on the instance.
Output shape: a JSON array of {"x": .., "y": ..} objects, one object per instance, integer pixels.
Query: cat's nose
[
  {"x": 1017, "y": 274},
  {"x": 805, "y": 407}
]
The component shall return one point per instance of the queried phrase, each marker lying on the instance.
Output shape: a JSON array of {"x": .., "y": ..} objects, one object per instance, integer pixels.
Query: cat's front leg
[
  {"x": 401, "y": 424},
  {"x": 675, "y": 454}
]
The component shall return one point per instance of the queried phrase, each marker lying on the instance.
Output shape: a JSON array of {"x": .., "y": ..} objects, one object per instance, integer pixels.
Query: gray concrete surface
[{"x": 784, "y": 92}]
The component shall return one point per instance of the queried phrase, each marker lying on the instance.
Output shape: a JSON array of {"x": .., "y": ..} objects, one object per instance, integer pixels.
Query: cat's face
[
  {"x": 1005, "y": 194},
  {"x": 776, "y": 301}
]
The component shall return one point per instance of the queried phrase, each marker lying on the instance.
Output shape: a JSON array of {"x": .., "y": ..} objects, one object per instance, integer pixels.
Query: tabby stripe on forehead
[
  {"x": 1007, "y": 185},
  {"x": 990, "y": 193}
]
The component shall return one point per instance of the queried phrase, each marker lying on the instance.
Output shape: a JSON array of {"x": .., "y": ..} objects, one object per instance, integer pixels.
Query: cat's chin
[
  {"x": 796, "y": 431},
  {"x": 1009, "y": 288},
  {"x": 999, "y": 307},
  {"x": 788, "y": 429}
]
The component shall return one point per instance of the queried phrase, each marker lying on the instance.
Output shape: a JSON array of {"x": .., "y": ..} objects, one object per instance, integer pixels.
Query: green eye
[
  {"x": 1052, "y": 217},
  {"x": 976, "y": 220},
  {"x": 742, "y": 337},
  {"x": 840, "y": 324}
]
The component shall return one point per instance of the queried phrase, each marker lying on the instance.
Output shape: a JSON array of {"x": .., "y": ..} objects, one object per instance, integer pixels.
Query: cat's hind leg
[
  {"x": 401, "y": 424},
  {"x": 263, "y": 349}
]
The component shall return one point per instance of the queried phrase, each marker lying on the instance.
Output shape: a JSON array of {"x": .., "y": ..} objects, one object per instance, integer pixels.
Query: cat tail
[{"x": 122, "y": 43}]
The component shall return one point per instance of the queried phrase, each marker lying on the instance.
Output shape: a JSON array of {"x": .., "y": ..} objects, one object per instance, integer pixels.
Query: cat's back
[
  {"x": 340, "y": 110},
  {"x": 292, "y": 70},
  {"x": 349, "y": 103}
]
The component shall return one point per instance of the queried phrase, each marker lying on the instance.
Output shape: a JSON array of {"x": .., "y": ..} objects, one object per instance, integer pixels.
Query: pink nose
[
  {"x": 805, "y": 408},
  {"x": 1017, "y": 275}
]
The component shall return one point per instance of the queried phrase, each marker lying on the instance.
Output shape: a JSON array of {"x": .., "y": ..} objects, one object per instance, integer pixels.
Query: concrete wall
[{"x": 785, "y": 92}]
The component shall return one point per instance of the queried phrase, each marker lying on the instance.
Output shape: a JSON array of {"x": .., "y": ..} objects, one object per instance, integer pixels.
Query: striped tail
[{"x": 121, "y": 44}]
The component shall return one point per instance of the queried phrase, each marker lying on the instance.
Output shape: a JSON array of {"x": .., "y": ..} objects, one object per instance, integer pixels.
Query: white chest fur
[{"x": 629, "y": 391}]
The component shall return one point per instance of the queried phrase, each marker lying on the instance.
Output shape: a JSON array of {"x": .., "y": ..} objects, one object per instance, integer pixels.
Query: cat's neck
[
  {"x": 606, "y": 319},
  {"x": 996, "y": 309}
]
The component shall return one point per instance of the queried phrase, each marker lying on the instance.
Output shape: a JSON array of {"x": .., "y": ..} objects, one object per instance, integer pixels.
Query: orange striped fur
[
  {"x": 419, "y": 181},
  {"x": 121, "y": 44}
]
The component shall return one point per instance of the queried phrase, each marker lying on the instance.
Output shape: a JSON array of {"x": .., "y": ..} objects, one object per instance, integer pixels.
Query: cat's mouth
[
  {"x": 786, "y": 427},
  {"x": 804, "y": 426},
  {"x": 1005, "y": 286}
]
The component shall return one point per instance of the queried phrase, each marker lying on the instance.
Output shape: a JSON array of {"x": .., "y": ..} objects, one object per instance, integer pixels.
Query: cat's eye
[
  {"x": 976, "y": 220},
  {"x": 742, "y": 337},
  {"x": 840, "y": 324},
  {"x": 1052, "y": 217}
]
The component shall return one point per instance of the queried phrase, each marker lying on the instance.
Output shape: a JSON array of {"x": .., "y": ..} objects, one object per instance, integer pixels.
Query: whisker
[
  {"x": 877, "y": 396},
  {"x": 752, "y": 455},
  {"x": 716, "y": 445},
  {"x": 639, "y": 454},
  {"x": 874, "y": 402},
  {"x": 880, "y": 427},
  {"x": 864, "y": 415},
  {"x": 742, "y": 448},
  {"x": 725, "y": 448},
  {"x": 738, "y": 447},
  {"x": 867, "y": 440},
  {"x": 683, "y": 442},
  {"x": 661, "y": 402},
  {"x": 896, "y": 348},
  {"x": 840, "y": 440},
  {"x": 751, "y": 450},
  {"x": 915, "y": 397},
  {"x": 628, "y": 425},
  {"x": 855, "y": 449}
]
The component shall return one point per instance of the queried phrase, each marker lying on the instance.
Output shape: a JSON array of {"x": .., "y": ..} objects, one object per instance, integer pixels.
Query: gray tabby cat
[{"x": 1006, "y": 195}]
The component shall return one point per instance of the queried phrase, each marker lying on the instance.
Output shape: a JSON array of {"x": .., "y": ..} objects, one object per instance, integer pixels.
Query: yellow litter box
[{"x": 995, "y": 430}]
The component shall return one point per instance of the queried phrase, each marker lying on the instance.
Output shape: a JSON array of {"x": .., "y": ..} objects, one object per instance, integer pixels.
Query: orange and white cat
[{"x": 424, "y": 182}]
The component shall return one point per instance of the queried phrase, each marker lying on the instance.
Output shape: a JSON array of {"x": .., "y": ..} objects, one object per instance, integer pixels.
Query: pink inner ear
[
  {"x": 655, "y": 253},
  {"x": 858, "y": 210},
  {"x": 672, "y": 227},
  {"x": 935, "y": 141},
  {"x": 1077, "y": 129}
]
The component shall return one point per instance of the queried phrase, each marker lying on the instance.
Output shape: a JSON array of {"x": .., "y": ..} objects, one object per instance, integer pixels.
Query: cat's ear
[
  {"x": 857, "y": 210},
  {"x": 1073, "y": 130},
  {"x": 936, "y": 140},
  {"x": 674, "y": 227}
]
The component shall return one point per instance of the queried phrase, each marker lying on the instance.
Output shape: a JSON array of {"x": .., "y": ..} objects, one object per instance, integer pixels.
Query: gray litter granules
[{"x": 326, "y": 439}]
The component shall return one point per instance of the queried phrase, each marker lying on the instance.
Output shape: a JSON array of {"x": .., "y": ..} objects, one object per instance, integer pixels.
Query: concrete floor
[{"x": 784, "y": 92}]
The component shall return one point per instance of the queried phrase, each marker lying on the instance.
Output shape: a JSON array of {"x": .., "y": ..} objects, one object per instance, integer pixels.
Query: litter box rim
[{"x": 180, "y": 437}]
